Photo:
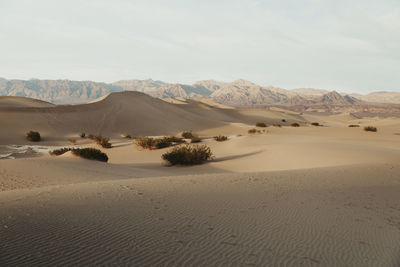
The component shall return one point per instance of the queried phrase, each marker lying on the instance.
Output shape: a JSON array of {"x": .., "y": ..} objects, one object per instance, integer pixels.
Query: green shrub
[
  {"x": 33, "y": 136},
  {"x": 354, "y": 125},
  {"x": 220, "y": 138},
  {"x": 252, "y": 131},
  {"x": 295, "y": 124},
  {"x": 90, "y": 153},
  {"x": 370, "y": 129},
  {"x": 261, "y": 124},
  {"x": 188, "y": 155},
  {"x": 82, "y": 135},
  {"x": 315, "y": 124},
  {"x": 187, "y": 134},
  {"x": 60, "y": 151}
]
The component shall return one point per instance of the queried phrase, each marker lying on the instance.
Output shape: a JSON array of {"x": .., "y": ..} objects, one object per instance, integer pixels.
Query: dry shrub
[
  {"x": 188, "y": 155},
  {"x": 261, "y": 124},
  {"x": 158, "y": 143},
  {"x": 33, "y": 136},
  {"x": 252, "y": 131},
  {"x": 60, "y": 151},
  {"x": 370, "y": 129},
  {"x": 220, "y": 138},
  {"x": 90, "y": 153},
  {"x": 295, "y": 124},
  {"x": 187, "y": 134}
]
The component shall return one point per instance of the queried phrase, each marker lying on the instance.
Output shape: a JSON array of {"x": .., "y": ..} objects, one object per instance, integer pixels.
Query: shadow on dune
[{"x": 237, "y": 156}]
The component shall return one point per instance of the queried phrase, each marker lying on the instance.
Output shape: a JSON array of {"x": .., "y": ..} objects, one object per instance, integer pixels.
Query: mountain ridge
[{"x": 239, "y": 93}]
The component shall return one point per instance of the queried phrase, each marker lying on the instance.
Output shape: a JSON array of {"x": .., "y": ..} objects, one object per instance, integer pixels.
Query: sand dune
[
  {"x": 293, "y": 218},
  {"x": 18, "y": 102},
  {"x": 306, "y": 196},
  {"x": 127, "y": 112}
]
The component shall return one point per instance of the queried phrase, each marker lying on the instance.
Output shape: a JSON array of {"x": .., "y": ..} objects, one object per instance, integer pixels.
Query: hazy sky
[{"x": 347, "y": 45}]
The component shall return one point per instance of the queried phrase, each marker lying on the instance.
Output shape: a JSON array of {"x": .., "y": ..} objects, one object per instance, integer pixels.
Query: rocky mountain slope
[{"x": 239, "y": 93}]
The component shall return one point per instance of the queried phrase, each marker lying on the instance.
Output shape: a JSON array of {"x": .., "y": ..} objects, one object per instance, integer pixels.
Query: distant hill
[
  {"x": 240, "y": 93},
  {"x": 57, "y": 91}
]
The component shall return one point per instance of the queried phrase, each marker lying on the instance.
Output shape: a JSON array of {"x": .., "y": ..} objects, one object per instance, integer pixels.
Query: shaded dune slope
[{"x": 126, "y": 112}]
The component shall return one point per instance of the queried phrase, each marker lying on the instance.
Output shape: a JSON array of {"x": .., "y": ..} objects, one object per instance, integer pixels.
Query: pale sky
[{"x": 343, "y": 45}]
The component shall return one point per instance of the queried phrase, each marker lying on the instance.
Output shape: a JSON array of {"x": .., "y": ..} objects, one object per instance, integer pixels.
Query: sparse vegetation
[
  {"x": 252, "y": 131},
  {"x": 60, "y": 151},
  {"x": 354, "y": 125},
  {"x": 220, "y": 138},
  {"x": 100, "y": 140},
  {"x": 90, "y": 153},
  {"x": 82, "y": 135},
  {"x": 187, "y": 134},
  {"x": 277, "y": 125},
  {"x": 103, "y": 141},
  {"x": 33, "y": 136},
  {"x": 158, "y": 143},
  {"x": 261, "y": 124},
  {"x": 315, "y": 124},
  {"x": 188, "y": 155},
  {"x": 370, "y": 129},
  {"x": 295, "y": 124},
  {"x": 87, "y": 153}
]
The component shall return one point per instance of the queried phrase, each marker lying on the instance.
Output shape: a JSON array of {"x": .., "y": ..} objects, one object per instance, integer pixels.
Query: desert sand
[{"x": 306, "y": 196}]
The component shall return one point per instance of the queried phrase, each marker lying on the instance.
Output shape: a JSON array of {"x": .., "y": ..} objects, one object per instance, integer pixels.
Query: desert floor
[{"x": 307, "y": 196}]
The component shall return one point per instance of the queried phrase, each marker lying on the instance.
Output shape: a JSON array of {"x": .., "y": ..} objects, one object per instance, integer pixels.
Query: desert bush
[
  {"x": 295, "y": 124},
  {"x": 315, "y": 124},
  {"x": 252, "y": 131},
  {"x": 33, "y": 136},
  {"x": 145, "y": 142},
  {"x": 283, "y": 120},
  {"x": 187, "y": 134},
  {"x": 261, "y": 124},
  {"x": 277, "y": 125},
  {"x": 82, "y": 135},
  {"x": 188, "y": 155},
  {"x": 100, "y": 140},
  {"x": 354, "y": 125},
  {"x": 157, "y": 143},
  {"x": 90, "y": 153},
  {"x": 370, "y": 129},
  {"x": 60, "y": 151},
  {"x": 220, "y": 138},
  {"x": 103, "y": 141}
]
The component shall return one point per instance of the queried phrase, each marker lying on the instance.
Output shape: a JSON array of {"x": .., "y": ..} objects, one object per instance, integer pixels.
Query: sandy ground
[{"x": 307, "y": 196}]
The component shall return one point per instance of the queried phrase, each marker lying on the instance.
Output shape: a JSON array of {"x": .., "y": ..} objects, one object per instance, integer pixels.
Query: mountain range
[{"x": 240, "y": 93}]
